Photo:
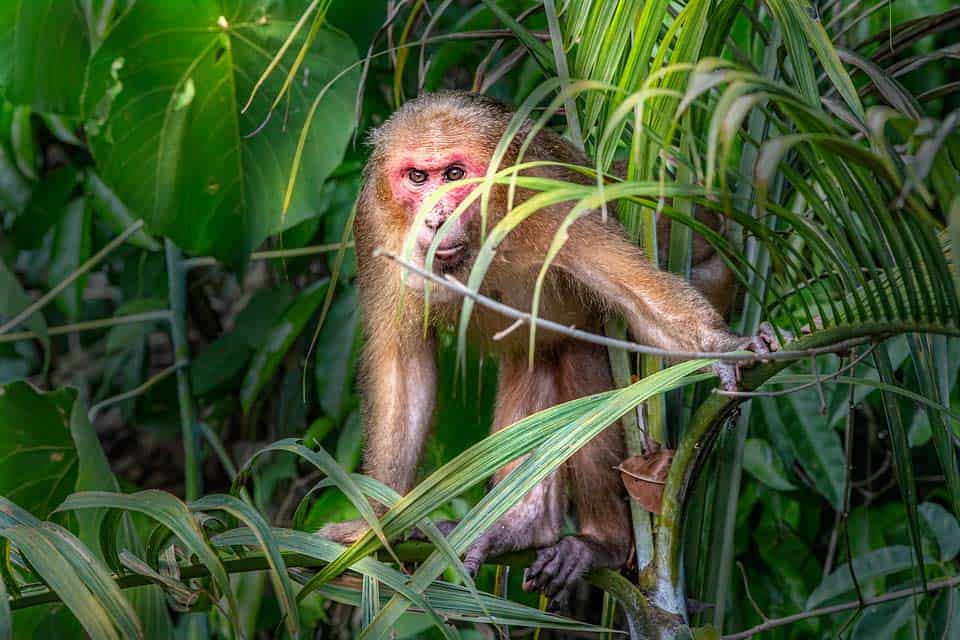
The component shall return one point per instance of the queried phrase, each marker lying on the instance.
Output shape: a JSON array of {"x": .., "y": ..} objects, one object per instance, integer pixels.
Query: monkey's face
[{"x": 414, "y": 177}]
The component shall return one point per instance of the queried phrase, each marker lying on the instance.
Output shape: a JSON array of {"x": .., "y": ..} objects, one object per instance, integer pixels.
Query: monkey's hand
[{"x": 765, "y": 341}]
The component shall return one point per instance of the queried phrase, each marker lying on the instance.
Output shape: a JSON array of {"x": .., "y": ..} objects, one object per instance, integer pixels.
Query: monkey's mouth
[{"x": 448, "y": 259}]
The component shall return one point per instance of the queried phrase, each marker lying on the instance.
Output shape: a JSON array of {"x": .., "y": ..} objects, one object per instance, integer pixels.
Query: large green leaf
[
  {"x": 71, "y": 248},
  {"x": 279, "y": 341},
  {"x": 336, "y": 350},
  {"x": 165, "y": 87},
  {"x": 874, "y": 564},
  {"x": 38, "y": 461},
  {"x": 94, "y": 475},
  {"x": 49, "y": 53},
  {"x": 13, "y": 300}
]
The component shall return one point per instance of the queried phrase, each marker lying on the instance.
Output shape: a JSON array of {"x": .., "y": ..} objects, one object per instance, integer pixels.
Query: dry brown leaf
[{"x": 645, "y": 476}]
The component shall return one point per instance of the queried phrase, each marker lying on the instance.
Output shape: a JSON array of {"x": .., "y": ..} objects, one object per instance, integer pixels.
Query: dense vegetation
[{"x": 179, "y": 320}]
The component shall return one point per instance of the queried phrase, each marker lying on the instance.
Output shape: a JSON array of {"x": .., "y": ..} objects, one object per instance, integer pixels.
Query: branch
[
  {"x": 273, "y": 254},
  {"x": 93, "y": 261},
  {"x": 817, "y": 382},
  {"x": 88, "y": 325},
  {"x": 862, "y": 333},
  {"x": 407, "y": 552},
  {"x": 936, "y": 585}
]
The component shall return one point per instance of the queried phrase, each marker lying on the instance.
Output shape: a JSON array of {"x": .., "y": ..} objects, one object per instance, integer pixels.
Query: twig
[
  {"x": 500, "y": 335},
  {"x": 138, "y": 391},
  {"x": 746, "y": 588},
  {"x": 637, "y": 476},
  {"x": 270, "y": 255},
  {"x": 935, "y": 585},
  {"x": 88, "y": 325},
  {"x": 456, "y": 286},
  {"x": 817, "y": 382},
  {"x": 90, "y": 263}
]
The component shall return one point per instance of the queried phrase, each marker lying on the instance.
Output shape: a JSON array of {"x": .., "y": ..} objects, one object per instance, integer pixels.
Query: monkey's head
[{"x": 435, "y": 141}]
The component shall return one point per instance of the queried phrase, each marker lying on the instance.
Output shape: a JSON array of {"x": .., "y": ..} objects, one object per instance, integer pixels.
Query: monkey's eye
[
  {"x": 417, "y": 176},
  {"x": 454, "y": 173}
]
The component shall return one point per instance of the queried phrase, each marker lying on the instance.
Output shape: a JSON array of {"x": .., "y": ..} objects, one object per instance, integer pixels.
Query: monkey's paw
[
  {"x": 764, "y": 342},
  {"x": 445, "y": 527},
  {"x": 557, "y": 568},
  {"x": 344, "y": 532}
]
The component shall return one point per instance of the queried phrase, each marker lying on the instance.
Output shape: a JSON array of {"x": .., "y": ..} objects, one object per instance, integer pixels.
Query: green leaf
[
  {"x": 165, "y": 86},
  {"x": 537, "y": 49},
  {"x": 265, "y": 539},
  {"x": 71, "y": 248},
  {"x": 108, "y": 206},
  {"x": 13, "y": 300},
  {"x": 765, "y": 465},
  {"x": 38, "y": 461},
  {"x": 94, "y": 475},
  {"x": 884, "y": 620},
  {"x": 455, "y": 601},
  {"x": 50, "y": 51},
  {"x": 945, "y": 529},
  {"x": 819, "y": 451},
  {"x": 336, "y": 351},
  {"x": 46, "y": 207},
  {"x": 14, "y": 188},
  {"x": 170, "y": 512},
  {"x": 62, "y": 578},
  {"x": 226, "y": 358},
  {"x": 279, "y": 341},
  {"x": 870, "y": 565},
  {"x": 24, "y": 145},
  {"x": 97, "y": 578},
  {"x": 350, "y": 442}
]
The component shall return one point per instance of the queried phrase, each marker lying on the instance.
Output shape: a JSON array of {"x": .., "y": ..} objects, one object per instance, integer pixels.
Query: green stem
[
  {"x": 82, "y": 270},
  {"x": 177, "y": 281},
  {"x": 273, "y": 254},
  {"x": 89, "y": 325},
  {"x": 138, "y": 391}
]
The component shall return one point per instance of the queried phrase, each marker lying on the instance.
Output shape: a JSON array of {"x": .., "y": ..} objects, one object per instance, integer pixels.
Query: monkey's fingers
[{"x": 729, "y": 374}]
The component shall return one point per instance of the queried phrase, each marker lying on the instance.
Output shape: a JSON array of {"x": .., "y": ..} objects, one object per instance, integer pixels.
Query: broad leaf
[
  {"x": 765, "y": 465},
  {"x": 49, "y": 54},
  {"x": 874, "y": 564},
  {"x": 39, "y": 461},
  {"x": 165, "y": 87},
  {"x": 279, "y": 341}
]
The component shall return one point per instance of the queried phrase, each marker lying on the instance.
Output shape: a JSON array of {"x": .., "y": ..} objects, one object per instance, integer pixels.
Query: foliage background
[{"x": 115, "y": 111}]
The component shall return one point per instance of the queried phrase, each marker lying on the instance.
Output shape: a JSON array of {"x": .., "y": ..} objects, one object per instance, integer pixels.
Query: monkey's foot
[
  {"x": 557, "y": 568},
  {"x": 445, "y": 526},
  {"x": 344, "y": 532}
]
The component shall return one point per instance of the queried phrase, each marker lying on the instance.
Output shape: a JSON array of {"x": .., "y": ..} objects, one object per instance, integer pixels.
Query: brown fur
[{"x": 597, "y": 271}]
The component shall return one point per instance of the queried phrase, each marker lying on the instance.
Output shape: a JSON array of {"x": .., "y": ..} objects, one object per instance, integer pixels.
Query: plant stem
[
  {"x": 177, "y": 281},
  {"x": 91, "y": 262},
  {"x": 89, "y": 325},
  {"x": 192, "y": 263}
]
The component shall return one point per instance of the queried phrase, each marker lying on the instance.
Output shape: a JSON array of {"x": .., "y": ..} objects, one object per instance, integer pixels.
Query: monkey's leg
[
  {"x": 604, "y": 535},
  {"x": 536, "y": 519}
]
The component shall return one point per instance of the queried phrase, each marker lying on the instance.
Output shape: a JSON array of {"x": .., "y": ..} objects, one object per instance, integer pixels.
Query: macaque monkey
[{"x": 447, "y": 138}]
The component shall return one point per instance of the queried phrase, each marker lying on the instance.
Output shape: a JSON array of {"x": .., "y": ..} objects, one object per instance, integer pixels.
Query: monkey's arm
[
  {"x": 399, "y": 381},
  {"x": 662, "y": 309}
]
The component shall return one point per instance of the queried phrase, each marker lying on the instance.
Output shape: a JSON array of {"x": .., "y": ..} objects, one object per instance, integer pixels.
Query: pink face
[{"x": 413, "y": 178}]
